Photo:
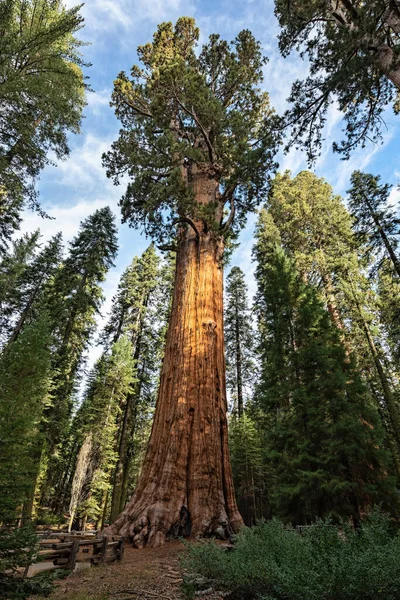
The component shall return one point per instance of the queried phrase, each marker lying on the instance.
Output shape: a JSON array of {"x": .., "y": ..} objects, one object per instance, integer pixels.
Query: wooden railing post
[
  {"x": 104, "y": 549},
  {"x": 120, "y": 549},
  {"x": 73, "y": 554}
]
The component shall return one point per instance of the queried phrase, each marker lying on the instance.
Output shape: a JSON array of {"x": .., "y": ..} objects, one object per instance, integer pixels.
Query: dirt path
[{"x": 149, "y": 574}]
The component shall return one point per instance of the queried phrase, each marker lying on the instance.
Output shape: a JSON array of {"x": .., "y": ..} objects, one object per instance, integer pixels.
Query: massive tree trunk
[{"x": 186, "y": 486}]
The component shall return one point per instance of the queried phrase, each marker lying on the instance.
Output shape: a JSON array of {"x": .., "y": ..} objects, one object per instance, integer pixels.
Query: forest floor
[{"x": 148, "y": 574}]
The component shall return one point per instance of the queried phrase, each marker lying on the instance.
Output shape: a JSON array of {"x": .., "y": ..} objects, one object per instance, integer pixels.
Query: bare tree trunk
[
  {"x": 186, "y": 482},
  {"x": 382, "y": 233},
  {"x": 83, "y": 471},
  {"x": 23, "y": 317},
  {"x": 239, "y": 378}
]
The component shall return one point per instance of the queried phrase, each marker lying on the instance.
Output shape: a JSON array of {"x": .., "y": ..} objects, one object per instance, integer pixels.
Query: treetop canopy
[{"x": 186, "y": 114}]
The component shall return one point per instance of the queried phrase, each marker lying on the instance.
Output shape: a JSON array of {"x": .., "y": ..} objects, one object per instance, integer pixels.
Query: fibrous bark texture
[{"x": 186, "y": 486}]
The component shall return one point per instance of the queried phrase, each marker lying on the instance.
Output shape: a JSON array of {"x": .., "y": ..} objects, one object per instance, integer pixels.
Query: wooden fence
[{"x": 70, "y": 551}]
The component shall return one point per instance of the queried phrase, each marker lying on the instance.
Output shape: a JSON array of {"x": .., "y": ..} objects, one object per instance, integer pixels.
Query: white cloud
[
  {"x": 294, "y": 161},
  {"x": 64, "y": 218},
  {"x": 126, "y": 15},
  {"x": 98, "y": 101},
  {"x": 394, "y": 197},
  {"x": 83, "y": 169}
]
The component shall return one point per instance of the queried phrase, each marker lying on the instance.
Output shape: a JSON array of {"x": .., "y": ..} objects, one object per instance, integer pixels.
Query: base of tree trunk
[{"x": 152, "y": 526}]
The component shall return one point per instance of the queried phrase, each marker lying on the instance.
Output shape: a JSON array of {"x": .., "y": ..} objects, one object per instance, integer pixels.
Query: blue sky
[{"x": 114, "y": 28}]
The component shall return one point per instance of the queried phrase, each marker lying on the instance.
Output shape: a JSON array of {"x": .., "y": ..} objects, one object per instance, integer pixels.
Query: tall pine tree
[
  {"x": 73, "y": 306},
  {"x": 107, "y": 392},
  {"x": 376, "y": 224},
  {"x": 25, "y": 379},
  {"x": 322, "y": 432},
  {"x": 316, "y": 231},
  {"x": 239, "y": 340}
]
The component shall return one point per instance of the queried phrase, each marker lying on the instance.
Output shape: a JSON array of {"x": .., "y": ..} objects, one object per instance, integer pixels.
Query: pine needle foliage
[
  {"x": 24, "y": 396},
  {"x": 376, "y": 225},
  {"x": 39, "y": 54},
  {"x": 321, "y": 432},
  {"x": 353, "y": 48}
]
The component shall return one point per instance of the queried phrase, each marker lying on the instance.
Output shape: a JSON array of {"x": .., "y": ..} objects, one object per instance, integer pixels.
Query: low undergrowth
[
  {"x": 17, "y": 548},
  {"x": 272, "y": 562}
]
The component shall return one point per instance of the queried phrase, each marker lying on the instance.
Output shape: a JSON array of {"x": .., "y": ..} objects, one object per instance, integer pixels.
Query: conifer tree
[
  {"x": 353, "y": 49},
  {"x": 128, "y": 315},
  {"x": 239, "y": 339},
  {"x": 376, "y": 224},
  {"x": 39, "y": 54},
  {"x": 34, "y": 284},
  {"x": 73, "y": 305},
  {"x": 322, "y": 433},
  {"x": 10, "y": 218},
  {"x": 150, "y": 355},
  {"x": 250, "y": 474},
  {"x": 316, "y": 231},
  {"x": 197, "y": 136},
  {"x": 13, "y": 267},
  {"x": 24, "y": 395},
  {"x": 108, "y": 390},
  {"x": 389, "y": 297}
]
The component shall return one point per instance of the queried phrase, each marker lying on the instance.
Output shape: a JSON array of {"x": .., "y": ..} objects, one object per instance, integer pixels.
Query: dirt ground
[{"x": 148, "y": 574}]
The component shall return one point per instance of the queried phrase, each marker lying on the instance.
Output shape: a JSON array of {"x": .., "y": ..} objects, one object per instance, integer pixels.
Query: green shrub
[
  {"x": 273, "y": 562},
  {"x": 17, "y": 546}
]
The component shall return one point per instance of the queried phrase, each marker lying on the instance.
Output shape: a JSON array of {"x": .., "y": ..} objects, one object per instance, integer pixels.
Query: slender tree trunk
[
  {"x": 239, "y": 378},
  {"x": 23, "y": 317},
  {"x": 331, "y": 302},
  {"x": 387, "y": 392},
  {"x": 390, "y": 401},
  {"x": 104, "y": 508},
  {"x": 387, "y": 244},
  {"x": 29, "y": 502},
  {"x": 186, "y": 476},
  {"x": 119, "y": 468}
]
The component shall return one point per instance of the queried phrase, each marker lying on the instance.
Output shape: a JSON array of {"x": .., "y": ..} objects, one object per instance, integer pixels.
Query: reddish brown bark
[{"x": 186, "y": 486}]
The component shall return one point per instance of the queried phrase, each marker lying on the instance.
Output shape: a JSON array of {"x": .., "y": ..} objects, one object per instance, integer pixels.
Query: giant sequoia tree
[
  {"x": 196, "y": 137},
  {"x": 354, "y": 53}
]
